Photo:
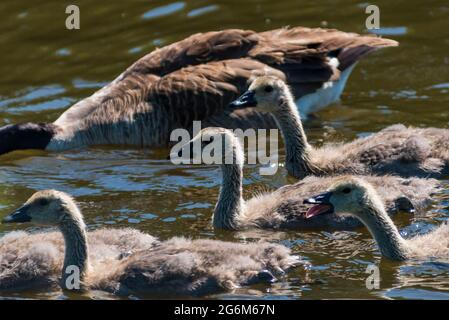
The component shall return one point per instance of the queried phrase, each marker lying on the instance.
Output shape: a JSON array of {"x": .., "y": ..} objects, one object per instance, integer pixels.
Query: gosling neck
[
  {"x": 297, "y": 148},
  {"x": 384, "y": 231},
  {"x": 230, "y": 202},
  {"x": 76, "y": 249}
]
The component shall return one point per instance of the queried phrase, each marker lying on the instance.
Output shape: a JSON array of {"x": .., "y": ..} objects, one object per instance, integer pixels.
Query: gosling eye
[
  {"x": 346, "y": 190},
  {"x": 43, "y": 202},
  {"x": 268, "y": 89}
]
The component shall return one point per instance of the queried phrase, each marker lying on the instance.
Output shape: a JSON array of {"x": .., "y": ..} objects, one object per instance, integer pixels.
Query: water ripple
[{"x": 164, "y": 10}]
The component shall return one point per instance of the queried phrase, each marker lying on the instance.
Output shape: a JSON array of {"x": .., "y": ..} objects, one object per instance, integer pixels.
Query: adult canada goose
[
  {"x": 195, "y": 79},
  {"x": 284, "y": 207},
  {"x": 355, "y": 197},
  {"x": 397, "y": 149},
  {"x": 126, "y": 261}
]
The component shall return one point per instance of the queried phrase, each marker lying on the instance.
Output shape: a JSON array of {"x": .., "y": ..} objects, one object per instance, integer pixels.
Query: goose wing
[
  {"x": 200, "y": 75},
  {"x": 285, "y": 47}
]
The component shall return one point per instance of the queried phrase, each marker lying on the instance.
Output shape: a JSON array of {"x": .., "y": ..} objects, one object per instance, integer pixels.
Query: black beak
[
  {"x": 20, "y": 215},
  {"x": 323, "y": 198},
  {"x": 246, "y": 100}
]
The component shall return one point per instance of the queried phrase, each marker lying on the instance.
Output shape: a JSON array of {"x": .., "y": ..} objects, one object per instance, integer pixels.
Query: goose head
[
  {"x": 349, "y": 196},
  {"x": 217, "y": 146},
  {"x": 265, "y": 92},
  {"x": 47, "y": 207}
]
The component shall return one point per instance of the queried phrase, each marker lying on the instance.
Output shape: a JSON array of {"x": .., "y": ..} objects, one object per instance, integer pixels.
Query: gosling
[
  {"x": 397, "y": 149},
  {"x": 357, "y": 198},
  {"x": 126, "y": 261},
  {"x": 284, "y": 208}
]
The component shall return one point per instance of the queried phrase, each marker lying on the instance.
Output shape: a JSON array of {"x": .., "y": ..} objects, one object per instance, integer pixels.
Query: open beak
[
  {"x": 247, "y": 99},
  {"x": 321, "y": 206},
  {"x": 20, "y": 215}
]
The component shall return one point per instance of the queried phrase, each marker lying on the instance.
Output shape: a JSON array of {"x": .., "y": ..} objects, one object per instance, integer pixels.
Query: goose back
[
  {"x": 397, "y": 149},
  {"x": 197, "y": 267}
]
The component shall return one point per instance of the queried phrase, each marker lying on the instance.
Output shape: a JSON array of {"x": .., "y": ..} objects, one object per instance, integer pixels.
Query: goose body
[
  {"x": 35, "y": 259},
  {"x": 126, "y": 261},
  {"x": 400, "y": 150},
  {"x": 357, "y": 198},
  {"x": 284, "y": 208},
  {"x": 195, "y": 79}
]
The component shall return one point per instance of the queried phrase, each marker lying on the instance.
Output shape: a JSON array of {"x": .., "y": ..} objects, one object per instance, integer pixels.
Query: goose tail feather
[{"x": 352, "y": 54}]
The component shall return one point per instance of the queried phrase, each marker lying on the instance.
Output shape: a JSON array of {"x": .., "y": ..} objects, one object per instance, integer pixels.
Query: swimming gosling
[
  {"x": 126, "y": 261},
  {"x": 284, "y": 207},
  {"x": 357, "y": 198},
  {"x": 405, "y": 151}
]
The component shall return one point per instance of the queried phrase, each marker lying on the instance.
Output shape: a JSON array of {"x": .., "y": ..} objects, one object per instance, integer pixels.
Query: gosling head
[
  {"x": 216, "y": 146},
  {"x": 349, "y": 196},
  {"x": 48, "y": 207},
  {"x": 266, "y": 93}
]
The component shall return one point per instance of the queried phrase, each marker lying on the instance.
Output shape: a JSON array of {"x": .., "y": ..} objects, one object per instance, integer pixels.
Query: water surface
[{"x": 46, "y": 68}]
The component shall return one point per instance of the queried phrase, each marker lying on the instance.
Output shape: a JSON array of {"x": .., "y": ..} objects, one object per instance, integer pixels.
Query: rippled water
[{"x": 46, "y": 68}]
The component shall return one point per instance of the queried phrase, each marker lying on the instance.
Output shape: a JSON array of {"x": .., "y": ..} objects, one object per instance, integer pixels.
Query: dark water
[{"x": 46, "y": 68}]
